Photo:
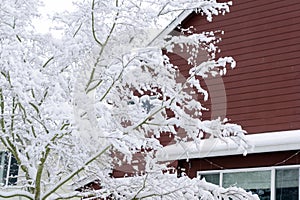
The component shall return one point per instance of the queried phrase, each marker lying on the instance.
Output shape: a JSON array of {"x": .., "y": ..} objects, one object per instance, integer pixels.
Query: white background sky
[
  {"x": 53, "y": 6},
  {"x": 49, "y": 8}
]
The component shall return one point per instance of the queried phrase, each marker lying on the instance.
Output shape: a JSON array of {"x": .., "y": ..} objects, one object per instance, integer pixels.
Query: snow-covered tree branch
[{"x": 68, "y": 103}]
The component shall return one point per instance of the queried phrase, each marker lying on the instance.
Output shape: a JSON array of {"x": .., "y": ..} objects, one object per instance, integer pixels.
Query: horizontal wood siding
[{"x": 263, "y": 92}]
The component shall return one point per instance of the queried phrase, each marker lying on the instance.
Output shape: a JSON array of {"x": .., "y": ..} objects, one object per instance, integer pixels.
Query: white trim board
[
  {"x": 169, "y": 28},
  {"x": 263, "y": 142}
]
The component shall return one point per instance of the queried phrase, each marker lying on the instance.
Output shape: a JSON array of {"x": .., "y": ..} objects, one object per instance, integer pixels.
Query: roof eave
[{"x": 169, "y": 28}]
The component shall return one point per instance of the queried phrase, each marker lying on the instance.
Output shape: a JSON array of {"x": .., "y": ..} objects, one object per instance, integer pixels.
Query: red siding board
[
  {"x": 253, "y": 108},
  {"x": 263, "y": 90},
  {"x": 262, "y": 70},
  {"x": 261, "y": 23},
  {"x": 273, "y": 59},
  {"x": 241, "y": 13},
  {"x": 254, "y": 7},
  {"x": 265, "y": 70},
  {"x": 274, "y": 127},
  {"x": 269, "y": 121},
  {"x": 257, "y": 101},
  {"x": 257, "y": 79},
  {"x": 269, "y": 48},
  {"x": 261, "y": 54},
  {"x": 283, "y": 37},
  {"x": 258, "y": 36},
  {"x": 268, "y": 115}
]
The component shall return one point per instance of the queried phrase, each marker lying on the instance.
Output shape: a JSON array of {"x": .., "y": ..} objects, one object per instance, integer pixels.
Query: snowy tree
[{"x": 68, "y": 104}]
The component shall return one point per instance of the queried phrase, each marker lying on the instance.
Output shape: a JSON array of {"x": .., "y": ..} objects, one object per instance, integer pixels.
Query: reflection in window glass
[
  {"x": 8, "y": 169},
  {"x": 212, "y": 178},
  {"x": 258, "y": 182},
  {"x": 287, "y": 184}
]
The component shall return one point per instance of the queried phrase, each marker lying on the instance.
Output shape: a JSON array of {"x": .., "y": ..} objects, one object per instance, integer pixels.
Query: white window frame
[{"x": 272, "y": 169}]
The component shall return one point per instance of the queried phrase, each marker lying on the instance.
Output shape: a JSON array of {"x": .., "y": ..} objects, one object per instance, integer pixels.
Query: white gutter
[{"x": 263, "y": 142}]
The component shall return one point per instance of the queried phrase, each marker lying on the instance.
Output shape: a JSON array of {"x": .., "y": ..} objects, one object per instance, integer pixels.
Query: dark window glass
[
  {"x": 8, "y": 169},
  {"x": 287, "y": 184},
  {"x": 13, "y": 172}
]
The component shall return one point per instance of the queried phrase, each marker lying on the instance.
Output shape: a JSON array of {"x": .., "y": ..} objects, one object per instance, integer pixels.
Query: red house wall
[{"x": 263, "y": 91}]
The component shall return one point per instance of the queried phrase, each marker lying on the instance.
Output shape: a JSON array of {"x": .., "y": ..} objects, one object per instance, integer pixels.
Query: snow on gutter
[{"x": 263, "y": 142}]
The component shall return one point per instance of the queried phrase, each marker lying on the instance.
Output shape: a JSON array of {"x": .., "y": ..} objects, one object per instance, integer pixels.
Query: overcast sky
[{"x": 51, "y": 6}]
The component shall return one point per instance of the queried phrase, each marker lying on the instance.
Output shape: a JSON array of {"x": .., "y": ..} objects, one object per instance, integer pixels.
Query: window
[
  {"x": 259, "y": 182},
  {"x": 269, "y": 183},
  {"x": 8, "y": 169}
]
